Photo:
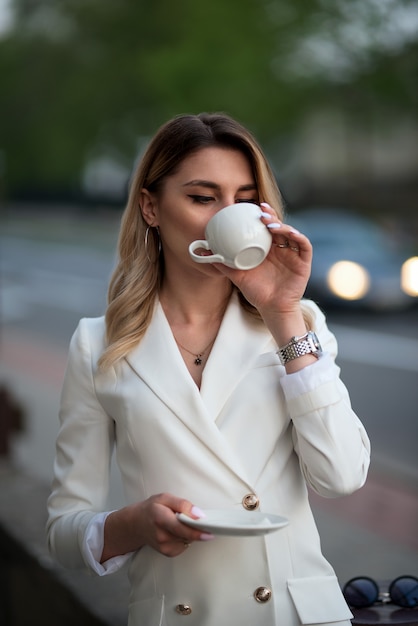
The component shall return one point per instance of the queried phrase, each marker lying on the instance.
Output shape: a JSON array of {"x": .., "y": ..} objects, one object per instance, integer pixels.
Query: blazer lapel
[
  {"x": 158, "y": 362},
  {"x": 239, "y": 343}
]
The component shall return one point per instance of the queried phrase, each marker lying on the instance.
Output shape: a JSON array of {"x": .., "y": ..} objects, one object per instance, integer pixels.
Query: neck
[
  {"x": 195, "y": 314},
  {"x": 201, "y": 305}
]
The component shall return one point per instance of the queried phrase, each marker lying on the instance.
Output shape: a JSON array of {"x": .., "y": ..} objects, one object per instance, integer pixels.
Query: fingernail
[
  {"x": 265, "y": 204},
  {"x": 198, "y": 512},
  {"x": 206, "y": 536},
  {"x": 294, "y": 231},
  {"x": 267, "y": 215},
  {"x": 274, "y": 225}
]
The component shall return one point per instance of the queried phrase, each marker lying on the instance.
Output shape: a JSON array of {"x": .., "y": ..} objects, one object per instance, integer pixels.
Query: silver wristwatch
[{"x": 299, "y": 346}]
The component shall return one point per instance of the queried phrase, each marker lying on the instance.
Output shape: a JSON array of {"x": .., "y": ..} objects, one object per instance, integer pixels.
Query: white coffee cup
[{"x": 236, "y": 237}]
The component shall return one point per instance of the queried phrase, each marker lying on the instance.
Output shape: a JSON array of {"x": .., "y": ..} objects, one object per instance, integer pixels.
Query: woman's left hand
[{"x": 279, "y": 283}]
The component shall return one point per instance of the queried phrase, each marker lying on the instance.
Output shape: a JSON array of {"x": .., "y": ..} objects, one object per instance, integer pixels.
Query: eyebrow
[{"x": 211, "y": 185}]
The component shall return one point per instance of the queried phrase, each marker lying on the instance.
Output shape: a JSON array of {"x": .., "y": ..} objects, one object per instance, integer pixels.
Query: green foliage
[{"x": 84, "y": 77}]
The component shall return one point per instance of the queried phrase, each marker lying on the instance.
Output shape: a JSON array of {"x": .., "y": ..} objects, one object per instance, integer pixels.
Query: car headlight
[
  {"x": 348, "y": 280},
  {"x": 409, "y": 276}
]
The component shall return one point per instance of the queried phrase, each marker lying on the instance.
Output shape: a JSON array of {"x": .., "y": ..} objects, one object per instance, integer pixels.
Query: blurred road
[{"x": 54, "y": 269}]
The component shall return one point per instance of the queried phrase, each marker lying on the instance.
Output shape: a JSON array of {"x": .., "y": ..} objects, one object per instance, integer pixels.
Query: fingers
[
  {"x": 286, "y": 238},
  {"x": 284, "y": 242},
  {"x": 171, "y": 537}
]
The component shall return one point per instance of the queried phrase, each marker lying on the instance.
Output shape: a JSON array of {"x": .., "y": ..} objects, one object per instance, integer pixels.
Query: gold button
[
  {"x": 183, "y": 609},
  {"x": 250, "y": 502},
  {"x": 262, "y": 594}
]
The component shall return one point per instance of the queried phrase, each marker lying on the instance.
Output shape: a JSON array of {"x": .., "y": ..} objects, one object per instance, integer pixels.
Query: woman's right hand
[{"x": 152, "y": 522}]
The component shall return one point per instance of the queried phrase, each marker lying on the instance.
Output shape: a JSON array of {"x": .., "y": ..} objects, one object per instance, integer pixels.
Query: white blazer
[{"x": 250, "y": 429}]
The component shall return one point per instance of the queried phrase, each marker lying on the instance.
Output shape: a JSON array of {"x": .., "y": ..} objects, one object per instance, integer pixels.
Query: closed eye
[{"x": 198, "y": 199}]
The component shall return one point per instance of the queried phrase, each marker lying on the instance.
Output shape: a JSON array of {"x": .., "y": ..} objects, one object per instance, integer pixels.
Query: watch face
[{"x": 315, "y": 341}]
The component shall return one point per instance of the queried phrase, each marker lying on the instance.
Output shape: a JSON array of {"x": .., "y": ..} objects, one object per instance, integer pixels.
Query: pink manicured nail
[
  {"x": 265, "y": 204},
  {"x": 198, "y": 512},
  {"x": 206, "y": 536},
  {"x": 266, "y": 215},
  {"x": 274, "y": 225},
  {"x": 294, "y": 231}
]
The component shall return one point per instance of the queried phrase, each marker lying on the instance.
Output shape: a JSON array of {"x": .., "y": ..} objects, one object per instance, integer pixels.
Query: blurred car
[{"x": 355, "y": 262}]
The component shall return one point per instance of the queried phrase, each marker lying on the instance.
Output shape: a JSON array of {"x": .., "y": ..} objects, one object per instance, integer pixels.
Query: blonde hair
[{"x": 135, "y": 282}]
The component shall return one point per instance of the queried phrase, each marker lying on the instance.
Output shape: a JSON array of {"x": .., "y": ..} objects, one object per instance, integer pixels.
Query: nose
[{"x": 227, "y": 201}]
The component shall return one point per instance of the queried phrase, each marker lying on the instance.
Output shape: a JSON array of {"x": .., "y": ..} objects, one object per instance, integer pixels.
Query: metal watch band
[{"x": 299, "y": 346}]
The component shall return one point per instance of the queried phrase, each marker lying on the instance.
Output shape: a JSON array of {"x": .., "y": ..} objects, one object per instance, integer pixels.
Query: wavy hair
[{"x": 136, "y": 280}]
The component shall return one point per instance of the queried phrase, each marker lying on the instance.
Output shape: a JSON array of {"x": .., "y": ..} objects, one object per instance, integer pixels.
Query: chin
[{"x": 208, "y": 270}]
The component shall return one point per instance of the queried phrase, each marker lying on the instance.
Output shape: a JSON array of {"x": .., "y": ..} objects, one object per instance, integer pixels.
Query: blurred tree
[{"x": 82, "y": 78}]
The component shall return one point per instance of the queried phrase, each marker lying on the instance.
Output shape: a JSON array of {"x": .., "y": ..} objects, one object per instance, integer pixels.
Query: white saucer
[{"x": 222, "y": 522}]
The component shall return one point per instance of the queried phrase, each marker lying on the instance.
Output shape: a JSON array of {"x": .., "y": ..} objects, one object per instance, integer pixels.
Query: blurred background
[{"x": 329, "y": 87}]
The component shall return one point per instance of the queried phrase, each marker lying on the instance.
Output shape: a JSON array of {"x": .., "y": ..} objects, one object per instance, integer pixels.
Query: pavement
[{"x": 372, "y": 532}]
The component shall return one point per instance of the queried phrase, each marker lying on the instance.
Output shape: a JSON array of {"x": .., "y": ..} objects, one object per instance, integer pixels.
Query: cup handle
[{"x": 202, "y": 243}]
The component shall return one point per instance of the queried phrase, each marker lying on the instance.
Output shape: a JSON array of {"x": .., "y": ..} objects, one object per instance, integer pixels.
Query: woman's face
[{"x": 205, "y": 182}]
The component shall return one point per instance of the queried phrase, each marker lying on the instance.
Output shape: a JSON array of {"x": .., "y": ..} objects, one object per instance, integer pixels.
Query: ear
[{"x": 149, "y": 207}]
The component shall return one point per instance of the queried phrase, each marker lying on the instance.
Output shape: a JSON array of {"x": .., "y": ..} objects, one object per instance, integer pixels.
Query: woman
[{"x": 193, "y": 375}]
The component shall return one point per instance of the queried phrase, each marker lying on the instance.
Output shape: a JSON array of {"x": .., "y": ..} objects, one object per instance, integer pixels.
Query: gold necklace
[{"x": 198, "y": 357}]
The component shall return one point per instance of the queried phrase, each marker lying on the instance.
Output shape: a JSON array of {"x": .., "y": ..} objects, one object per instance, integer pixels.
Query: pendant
[{"x": 198, "y": 360}]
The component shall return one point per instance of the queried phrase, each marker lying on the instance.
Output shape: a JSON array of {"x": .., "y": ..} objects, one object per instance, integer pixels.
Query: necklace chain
[{"x": 198, "y": 357}]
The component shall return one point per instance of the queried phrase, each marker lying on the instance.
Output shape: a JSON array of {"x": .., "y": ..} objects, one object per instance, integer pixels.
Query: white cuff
[
  {"x": 92, "y": 548},
  {"x": 309, "y": 378}
]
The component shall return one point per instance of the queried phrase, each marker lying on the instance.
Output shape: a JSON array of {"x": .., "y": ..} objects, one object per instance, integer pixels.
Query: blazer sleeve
[
  {"x": 329, "y": 438},
  {"x": 83, "y": 454}
]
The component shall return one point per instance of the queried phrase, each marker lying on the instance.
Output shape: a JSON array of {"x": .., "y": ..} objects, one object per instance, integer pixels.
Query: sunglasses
[{"x": 364, "y": 591}]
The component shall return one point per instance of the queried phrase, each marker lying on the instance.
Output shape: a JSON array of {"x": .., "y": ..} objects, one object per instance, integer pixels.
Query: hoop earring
[{"x": 146, "y": 243}]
